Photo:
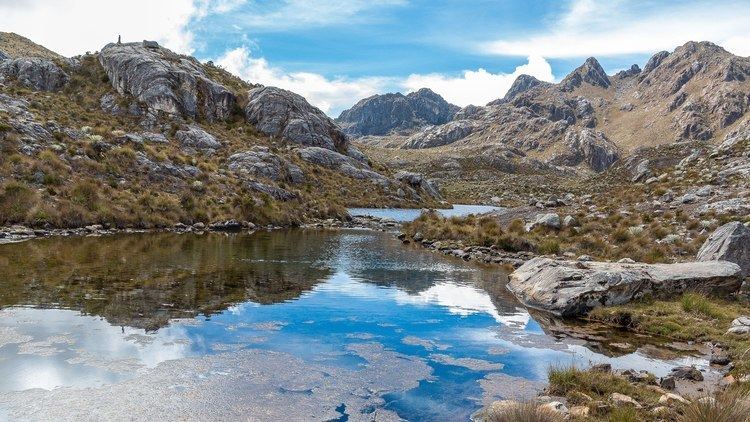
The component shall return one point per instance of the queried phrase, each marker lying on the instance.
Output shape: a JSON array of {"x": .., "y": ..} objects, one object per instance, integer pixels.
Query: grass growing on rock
[{"x": 692, "y": 317}]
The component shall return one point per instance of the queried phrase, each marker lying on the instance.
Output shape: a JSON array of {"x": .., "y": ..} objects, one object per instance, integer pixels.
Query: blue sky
[{"x": 336, "y": 52}]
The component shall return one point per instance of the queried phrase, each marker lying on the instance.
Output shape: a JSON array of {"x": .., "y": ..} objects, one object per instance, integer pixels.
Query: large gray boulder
[
  {"x": 571, "y": 288},
  {"x": 384, "y": 114},
  {"x": 35, "y": 73},
  {"x": 283, "y": 114},
  {"x": 418, "y": 181},
  {"x": 194, "y": 137},
  {"x": 730, "y": 242},
  {"x": 165, "y": 81},
  {"x": 588, "y": 146},
  {"x": 341, "y": 163},
  {"x": 261, "y": 162}
]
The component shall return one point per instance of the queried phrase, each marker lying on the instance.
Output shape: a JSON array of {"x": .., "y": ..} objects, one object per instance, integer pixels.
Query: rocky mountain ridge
[
  {"x": 396, "y": 113},
  {"x": 697, "y": 92}
]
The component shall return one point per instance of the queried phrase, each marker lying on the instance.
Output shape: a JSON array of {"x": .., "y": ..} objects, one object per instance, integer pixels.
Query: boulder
[
  {"x": 285, "y": 115},
  {"x": 687, "y": 373},
  {"x": 34, "y": 73},
  {"x": 197, "y": 138},
  {"x": 588, "y": 146},
  {"x": 571, "y": 288},
  {"x": 3, "y": 56},
  {"x": 417, "y": 181},
  {"x": 550, "y": 220},
  {"x": 730, "y": 242},
  {"x": 166, "y": 82},
  {"x": 641, "y": 171},
  {"x": 341, "y": 163},
  {"x": 740, "y": 325},
  {"x": 261, "y": 162}
]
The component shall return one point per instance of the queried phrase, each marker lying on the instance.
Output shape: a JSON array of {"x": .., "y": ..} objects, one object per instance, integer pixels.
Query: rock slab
[{"x": 571, "y": 288}]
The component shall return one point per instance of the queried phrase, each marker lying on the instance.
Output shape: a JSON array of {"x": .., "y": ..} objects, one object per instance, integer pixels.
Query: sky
[{"x": 336, "y": 52}]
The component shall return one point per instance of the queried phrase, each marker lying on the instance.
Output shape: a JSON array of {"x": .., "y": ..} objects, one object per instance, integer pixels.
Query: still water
[
  {"x": 283, "y": 325},
  {"x": 409, "y": 214}
]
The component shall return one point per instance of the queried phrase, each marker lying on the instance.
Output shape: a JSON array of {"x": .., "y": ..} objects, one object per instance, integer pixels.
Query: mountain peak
[
  {"x": 590, "y": 72},
  {"x": 388, "y": 113},
  {"x": 522, "y": 84}
]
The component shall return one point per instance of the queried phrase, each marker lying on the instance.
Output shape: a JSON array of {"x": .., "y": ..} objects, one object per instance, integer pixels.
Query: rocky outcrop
[
  {"x": 588, "y": 146},
  {"x": 261, "y": 162},
  {"x": 285, "y": 115},
  {"x": 522, "y": 84},
  {"x": 418, "y": 181},
  {"x": 435, "y": 136},
  {"x": 633, "y": 71},
  {"x": 274, "y": 192},
  {"x": 590, "y": 72},
  {"x": 3, "y": 56},
  {"x": 384, "y": 114},
  {"x": 341, "y": 163},
  {"x": 34, "y": 73},
  {"x": 730, "y": 242},
  {"x": 193, "y": 137},
  {"x": 654, "y": 61},
  {"x": 166, "y": 82},
  {"x": 570, "y": 288}
]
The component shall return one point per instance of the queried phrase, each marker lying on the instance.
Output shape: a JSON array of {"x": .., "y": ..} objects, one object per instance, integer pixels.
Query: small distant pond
[
  {"x": 282, "y": 325},
  {"x": 406, "y": 214}
]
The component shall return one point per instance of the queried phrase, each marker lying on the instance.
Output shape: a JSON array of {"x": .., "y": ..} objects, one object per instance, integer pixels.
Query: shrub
[
  {"x": 85, "y": 194},
  {"x": 548, "y": 247},
  {"x": 522, "y": 412},
  {"x": 732, "y": 406},
  {"x": 16, "y": 200}
]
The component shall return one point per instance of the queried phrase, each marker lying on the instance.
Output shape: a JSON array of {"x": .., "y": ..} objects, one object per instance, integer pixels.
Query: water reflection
[{"x": 307, "y": 324}]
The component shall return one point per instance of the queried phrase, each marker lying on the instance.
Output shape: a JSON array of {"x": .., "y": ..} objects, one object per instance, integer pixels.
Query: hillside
[
  {"x": 138, "y": 136},
  {"x": 590, "y": 120}
]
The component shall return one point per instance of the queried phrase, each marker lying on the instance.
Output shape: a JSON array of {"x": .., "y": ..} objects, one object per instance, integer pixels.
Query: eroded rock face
[
  {"x": 165, "y": 81},
  {"x": 3, "y": 56},
  {"x": 570, "y": 288},
  {"x": 383, "y": 114},
  {"x": 35, "y": 73},
  {"x": 261, "y": 162},
  {"x": 435, "y": 136},
  {"x": 341, "y": 163},
  {"x": 589, "y": 146},
  {"x": 730, "y": 242},
  {"x": 283, "y": 114}
]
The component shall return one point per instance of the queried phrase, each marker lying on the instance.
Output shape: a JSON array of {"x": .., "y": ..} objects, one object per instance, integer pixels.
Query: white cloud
[
  {"x": 332, "y": 95},
  {"x": 606, "y": 28},
  {"x": 329, "y": 94},
  {"x": 285, "y": 14},
  {"x": 72, "y": 27},
  {"x": 478, "y": 87}
]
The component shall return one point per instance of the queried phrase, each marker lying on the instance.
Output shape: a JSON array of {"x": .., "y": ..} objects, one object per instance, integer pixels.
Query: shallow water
[
  {"x": 409, "y": 214},
  {"x": 285, "y": 325}
]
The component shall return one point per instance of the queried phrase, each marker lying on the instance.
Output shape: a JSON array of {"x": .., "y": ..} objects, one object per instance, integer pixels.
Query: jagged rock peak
[
  {"x": 522, "y": 84},
  {"x": 655, "y": 61},
  {"x": 634, "y": 70},
  {"x": 589, "y": 72},
  {"x": 388, "y": 113}
]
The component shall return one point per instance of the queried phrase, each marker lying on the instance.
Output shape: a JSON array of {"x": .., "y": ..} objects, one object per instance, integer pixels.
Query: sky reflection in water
[{"x": 94, "y": 312}]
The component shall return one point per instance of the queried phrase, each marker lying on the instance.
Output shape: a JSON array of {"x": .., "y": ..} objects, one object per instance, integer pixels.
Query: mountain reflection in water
[{"x": 292, "y": 325}]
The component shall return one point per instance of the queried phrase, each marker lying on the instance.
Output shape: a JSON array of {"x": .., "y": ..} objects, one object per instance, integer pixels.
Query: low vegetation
[{"x": 692, "y": 317}]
